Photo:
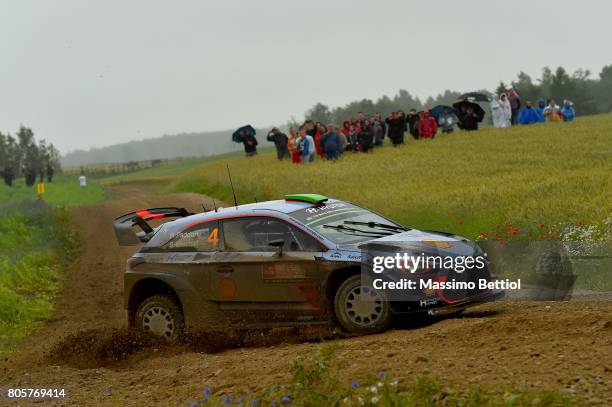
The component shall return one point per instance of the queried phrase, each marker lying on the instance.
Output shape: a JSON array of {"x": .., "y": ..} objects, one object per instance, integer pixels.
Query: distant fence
[{"x": 108, "y": 169}]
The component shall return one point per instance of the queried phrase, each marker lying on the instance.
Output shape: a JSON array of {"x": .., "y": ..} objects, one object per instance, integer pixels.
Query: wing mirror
[{"x": 278, "y": 243}]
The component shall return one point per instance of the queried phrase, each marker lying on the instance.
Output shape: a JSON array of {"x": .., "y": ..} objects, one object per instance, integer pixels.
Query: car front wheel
[
  {"x": 360, "y": 309},
  {"x": 160, "y": 316}
]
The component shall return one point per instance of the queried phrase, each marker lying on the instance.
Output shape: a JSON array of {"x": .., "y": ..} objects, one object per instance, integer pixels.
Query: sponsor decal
[
  {"x": 282, "y": 271},
  {"x": 226, "y": 288},
  {"x": 427, "y": 302}
]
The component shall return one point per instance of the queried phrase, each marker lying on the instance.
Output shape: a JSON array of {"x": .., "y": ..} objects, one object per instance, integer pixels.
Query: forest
[
  {"x": 589, "y": 95},
  {"x": 22, "y": 156}
]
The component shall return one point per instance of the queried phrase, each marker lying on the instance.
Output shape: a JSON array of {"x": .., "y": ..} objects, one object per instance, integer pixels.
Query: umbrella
[
  {"x": 237, "y": 137},
  {"x": 475, "y": 97},
  {"x": 436, "y": 111},
  {"x": 475, "y": 106}
]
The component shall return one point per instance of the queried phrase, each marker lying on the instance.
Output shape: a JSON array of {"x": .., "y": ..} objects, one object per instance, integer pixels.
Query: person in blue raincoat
[
  {"x": 528, "y": 115},
  {"x": 540, "y": 110},
  {"x": 332, "y": 143},
  {"x": 568, "y": 112}
]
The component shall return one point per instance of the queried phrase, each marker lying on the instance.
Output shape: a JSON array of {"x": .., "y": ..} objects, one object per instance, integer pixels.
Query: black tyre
[
  {"x": 161, "y": 316},
  {"x": 554, "y": 273},
  {"x": 360, "y": 309}
]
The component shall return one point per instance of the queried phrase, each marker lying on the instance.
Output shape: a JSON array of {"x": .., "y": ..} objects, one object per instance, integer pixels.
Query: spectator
[
  {"x": 568, "y": 112},
  {"x": 332, "y": 143},
  {"x": 552, "y": 112},
  {"x": 379, "y": 133},
  {"x": 528, "y": 115},
  {"x": 320, "y": 130},
  {"x": 402, "y": 117},
  {"x": 306, "y": 146},
  {"x": 293, "y": 145},
  {"x": 361, "y": 118},
  {"x": 346, "y": 129},
  {"x": 515, "y": 106},
  {"x": 396, "y": 129},
  {"x": 540, "y": 110},
  {"x": 461, "y": 115},
  {"x": 413, "y": 123},
  {"x": 507, "y": 108},
  {"x": 380, "y": 120},
  {"x": 470, "y": 120},
  {"x": 497, "y": 113},
  {"x": 447, "y": 121},
  {"x": 280, "y": 141},
  {"x": 353, "y": 143},
  {"x": 310, "y": 128},
  {"x": 250, "y": 143},
  {"x": 365, "y": 137},
  {"x": 427, "y": 125}
]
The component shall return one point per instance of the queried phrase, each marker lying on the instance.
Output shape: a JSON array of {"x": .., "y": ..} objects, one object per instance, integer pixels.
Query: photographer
[
  {"x": 250, "y": 142},
  {"x": 280, "y": 142},
  {"x": 396, "y": 127}
]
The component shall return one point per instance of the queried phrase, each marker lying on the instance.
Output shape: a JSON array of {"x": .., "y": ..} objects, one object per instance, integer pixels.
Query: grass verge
[
  {"x": 64, "y": 191},
  {"x": 37, "y": 242}
]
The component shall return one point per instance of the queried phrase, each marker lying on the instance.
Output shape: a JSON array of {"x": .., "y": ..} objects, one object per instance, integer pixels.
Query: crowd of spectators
[{"x": 362, "y": 133}]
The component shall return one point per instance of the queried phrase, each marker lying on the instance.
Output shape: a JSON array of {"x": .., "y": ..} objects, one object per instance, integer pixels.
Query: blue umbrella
[
  {"x": 437, "y": 110},
  {"x": 237, "y": 135}
]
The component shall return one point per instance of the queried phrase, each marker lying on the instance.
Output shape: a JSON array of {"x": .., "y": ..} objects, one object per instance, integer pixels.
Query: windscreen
[{"x": 345, "y": 223}]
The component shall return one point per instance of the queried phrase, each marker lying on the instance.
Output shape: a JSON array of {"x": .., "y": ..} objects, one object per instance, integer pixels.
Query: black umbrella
[
  {"x": 480, "y": 113},
  {"x": 475, "y": 97},
  {"x": 237, "y": 135}
]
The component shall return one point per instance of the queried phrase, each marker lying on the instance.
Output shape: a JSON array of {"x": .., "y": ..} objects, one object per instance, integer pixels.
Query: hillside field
[
  {"x": 64, "y": 191},
  {"x": 466, "y": 183}
]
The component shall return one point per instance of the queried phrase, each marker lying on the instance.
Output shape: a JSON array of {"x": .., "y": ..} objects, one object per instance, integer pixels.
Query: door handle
[{"x": 225, "y": 269}]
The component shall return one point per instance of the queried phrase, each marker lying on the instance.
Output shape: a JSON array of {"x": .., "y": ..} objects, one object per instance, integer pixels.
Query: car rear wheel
[
  {"x": 160, "y": 316},
  {"x": 361, "y": 309}
]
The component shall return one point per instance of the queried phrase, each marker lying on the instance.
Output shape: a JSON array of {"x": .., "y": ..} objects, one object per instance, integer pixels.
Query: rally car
[{"x": 299, "y": 260}]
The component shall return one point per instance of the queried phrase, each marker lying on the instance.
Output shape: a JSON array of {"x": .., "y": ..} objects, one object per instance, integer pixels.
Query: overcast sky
[{"x": 94, "y": 73}]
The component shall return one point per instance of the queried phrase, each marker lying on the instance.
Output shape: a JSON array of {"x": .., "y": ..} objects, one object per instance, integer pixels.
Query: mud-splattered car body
[{"x": 260, "y": 265}]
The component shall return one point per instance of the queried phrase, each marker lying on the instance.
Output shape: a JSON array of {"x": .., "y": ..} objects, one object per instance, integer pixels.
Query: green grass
[
  {"x": 466, "y": 183},
  {"x": 63, "y": 191},
  {"x": 316, "y": 382},
  {"x": 36, "y": 244},
  {"x": 163, "y": 173}
]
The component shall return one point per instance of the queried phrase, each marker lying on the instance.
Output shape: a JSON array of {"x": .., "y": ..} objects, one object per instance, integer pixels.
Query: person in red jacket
[
  {"x": 320, "y": 131},
  {"x": 427, "y": 125}
]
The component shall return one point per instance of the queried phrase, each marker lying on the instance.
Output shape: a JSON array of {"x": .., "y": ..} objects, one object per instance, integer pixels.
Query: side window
[
  {"x": 203, "y": 237},
  {"x": 255, "y": 234}
]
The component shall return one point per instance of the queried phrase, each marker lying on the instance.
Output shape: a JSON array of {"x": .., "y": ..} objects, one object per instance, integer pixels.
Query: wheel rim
[
  {"x": 158, "y": 321},
  {"x": 363, "y": 306}
]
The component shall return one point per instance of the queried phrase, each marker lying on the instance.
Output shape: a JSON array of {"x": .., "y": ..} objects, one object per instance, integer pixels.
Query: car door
[
  {"x": 270, "y": 282},
  {"x": 191, "y": 250}
]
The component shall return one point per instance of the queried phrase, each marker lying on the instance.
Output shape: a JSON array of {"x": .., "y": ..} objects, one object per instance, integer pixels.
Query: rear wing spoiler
[{"x": 124, "y": 224}]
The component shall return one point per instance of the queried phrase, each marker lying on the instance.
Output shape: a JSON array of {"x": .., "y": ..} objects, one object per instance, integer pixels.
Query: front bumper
[{"x": 439, "y": 307}]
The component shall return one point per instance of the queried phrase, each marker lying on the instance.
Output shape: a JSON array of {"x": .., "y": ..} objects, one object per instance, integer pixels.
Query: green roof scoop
[{"x": 312, "y": 198}]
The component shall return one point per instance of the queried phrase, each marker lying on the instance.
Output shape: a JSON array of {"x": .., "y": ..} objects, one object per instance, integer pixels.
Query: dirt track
[{"x": 85, "y": 348}]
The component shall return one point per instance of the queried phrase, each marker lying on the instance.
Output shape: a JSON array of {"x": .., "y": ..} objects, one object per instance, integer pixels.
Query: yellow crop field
[{"x": 550, "y": 173}]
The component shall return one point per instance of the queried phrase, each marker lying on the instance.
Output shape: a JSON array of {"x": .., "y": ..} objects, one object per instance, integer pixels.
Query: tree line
[
  {"x": 23, "y": 156},
  {"x": 589, "y": 95},
  {"x": 165, "y": 147}
]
